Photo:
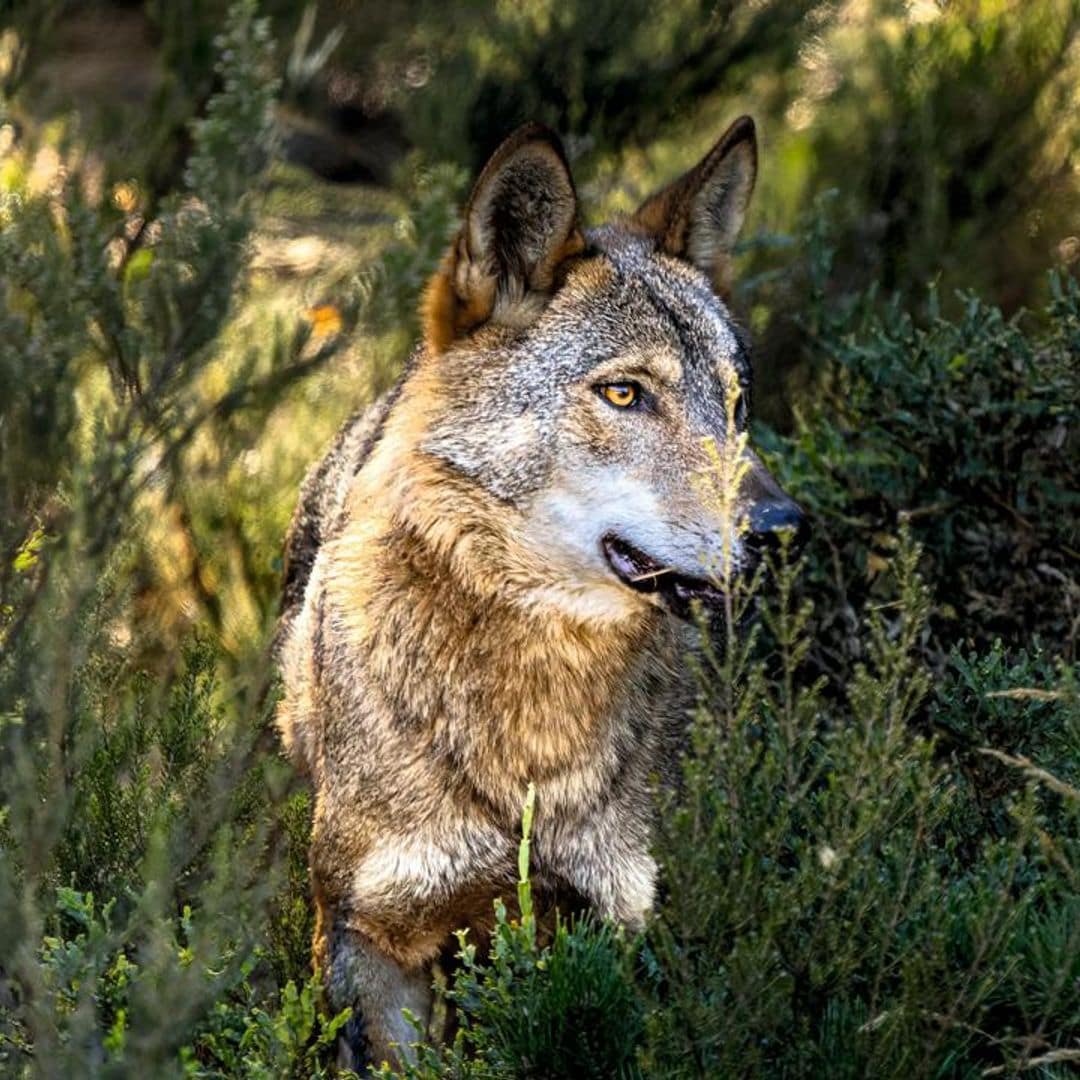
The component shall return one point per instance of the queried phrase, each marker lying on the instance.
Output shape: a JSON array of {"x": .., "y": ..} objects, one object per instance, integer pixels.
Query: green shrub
[
  {"x": 992, "y": 713},
  {"x": 823, "y": 916},
  {"x": 967, "y": 430},
  {"x": 145, "y": 833},
  {"x": 119, "y": 1016},
  {"x": 149, "y": 888}
]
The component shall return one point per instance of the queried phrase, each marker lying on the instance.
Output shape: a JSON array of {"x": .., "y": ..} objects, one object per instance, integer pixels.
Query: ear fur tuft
[{"x": 519, "y": 224}]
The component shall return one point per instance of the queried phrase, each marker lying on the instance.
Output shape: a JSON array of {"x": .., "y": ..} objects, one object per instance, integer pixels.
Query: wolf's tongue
[
  {"x": 623, "y": 562},
  {"x": 633, "y": 566}
]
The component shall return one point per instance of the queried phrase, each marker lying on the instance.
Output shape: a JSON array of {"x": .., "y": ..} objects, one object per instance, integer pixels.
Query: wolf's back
[{"x": 320, "y": 514}]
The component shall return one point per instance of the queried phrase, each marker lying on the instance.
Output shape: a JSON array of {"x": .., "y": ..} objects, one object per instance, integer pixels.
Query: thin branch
[
  {"x": 1054, "y": 1057},
  {"x": 1031, "y": 769}
]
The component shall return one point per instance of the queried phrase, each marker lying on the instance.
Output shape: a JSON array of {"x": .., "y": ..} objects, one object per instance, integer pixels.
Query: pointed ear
[
  {"x": 519, "y": 225},
  {"x": 698, "y": 217}
]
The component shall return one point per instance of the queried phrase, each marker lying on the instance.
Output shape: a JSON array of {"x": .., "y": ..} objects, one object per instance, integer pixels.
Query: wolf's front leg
[
  {"x": 606, "y": 858},
  {"x": 362, "y": 977}
]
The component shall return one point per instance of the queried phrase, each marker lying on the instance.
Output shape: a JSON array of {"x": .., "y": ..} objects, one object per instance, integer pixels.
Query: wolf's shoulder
[{"x": 321, "y": 506}]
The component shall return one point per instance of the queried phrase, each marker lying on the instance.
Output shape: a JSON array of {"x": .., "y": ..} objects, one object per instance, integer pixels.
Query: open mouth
[{"x": 644, "y": 574}]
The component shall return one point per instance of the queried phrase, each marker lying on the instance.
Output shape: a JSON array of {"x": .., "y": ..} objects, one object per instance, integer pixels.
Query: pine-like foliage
[
  {"x": 837, "y": 905},
  {"x": 143, "y": 830},
  {"x": 965, "y": 428}
]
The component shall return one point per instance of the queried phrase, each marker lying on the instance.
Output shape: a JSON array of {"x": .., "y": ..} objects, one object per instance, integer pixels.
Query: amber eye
[{"x": 623, "y": 395}]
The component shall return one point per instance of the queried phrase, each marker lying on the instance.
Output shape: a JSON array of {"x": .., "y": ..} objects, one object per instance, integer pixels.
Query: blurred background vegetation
[{"x": 215, "y": 221}]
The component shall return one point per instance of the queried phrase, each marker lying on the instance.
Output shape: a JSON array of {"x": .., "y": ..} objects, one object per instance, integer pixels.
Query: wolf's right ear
[
  {"x": 698, "y": 217},
  {"x": 519, "y": 225}
]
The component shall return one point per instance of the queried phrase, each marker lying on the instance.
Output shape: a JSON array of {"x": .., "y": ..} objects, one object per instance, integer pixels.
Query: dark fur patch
[{"x": 358, "y": 1048}]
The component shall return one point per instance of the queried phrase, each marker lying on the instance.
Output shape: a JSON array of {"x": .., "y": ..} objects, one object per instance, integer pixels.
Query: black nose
[{"x": 769, "y": 519}]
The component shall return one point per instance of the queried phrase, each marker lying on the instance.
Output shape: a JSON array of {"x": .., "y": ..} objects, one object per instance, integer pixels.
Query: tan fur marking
[
  {"x": 458, "y": 298},
  {"x": 438, "y": 307}
]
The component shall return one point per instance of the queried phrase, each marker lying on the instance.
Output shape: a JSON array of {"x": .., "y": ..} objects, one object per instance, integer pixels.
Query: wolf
[{"x": 491, "y": 578}]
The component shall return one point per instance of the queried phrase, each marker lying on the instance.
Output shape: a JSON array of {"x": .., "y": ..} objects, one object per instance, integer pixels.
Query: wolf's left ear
[
  {"x": 698, "y": 217},
  {"x": 519, "y": 225}
]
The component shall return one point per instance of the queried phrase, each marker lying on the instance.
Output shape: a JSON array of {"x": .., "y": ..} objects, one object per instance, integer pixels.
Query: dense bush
[
  {"x": 836, "y": 904},
  {"x": 145, "y": 833},
  {"x": 966, "y": 429}
]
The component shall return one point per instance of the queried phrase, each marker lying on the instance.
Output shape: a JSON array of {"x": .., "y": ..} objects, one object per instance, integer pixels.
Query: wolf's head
[{"x": 594, "y": 384}]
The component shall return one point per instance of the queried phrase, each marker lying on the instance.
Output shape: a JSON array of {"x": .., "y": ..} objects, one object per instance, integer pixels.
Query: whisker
[{"x": 653, "y": 573}]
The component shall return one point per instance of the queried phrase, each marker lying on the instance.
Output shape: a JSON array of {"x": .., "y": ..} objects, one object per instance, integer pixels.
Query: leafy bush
[
  {"x": 939, "y": 175},
  {"x": 143, "y": 828},
  {"x": 822, "y": 917},
  {"x": 116, "y": 1014},
  {"x": 967, "y": 430},
  {"x": 169, "y": 815}
]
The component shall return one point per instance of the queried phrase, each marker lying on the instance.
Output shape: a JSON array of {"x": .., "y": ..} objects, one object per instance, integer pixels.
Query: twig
[
  {"x": 1032, "y": 770},
  {"x": 1025, "y": 693},
  {"x": 926, "y": 511},
  {"x": 1054, "y": 1057},
  {"x": 649, "y": 574}
]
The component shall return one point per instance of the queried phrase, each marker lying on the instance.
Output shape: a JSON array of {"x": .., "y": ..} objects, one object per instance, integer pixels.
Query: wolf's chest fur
[
  {"x": 424, "y": 694},
  {"x": 505, "y": 696}
]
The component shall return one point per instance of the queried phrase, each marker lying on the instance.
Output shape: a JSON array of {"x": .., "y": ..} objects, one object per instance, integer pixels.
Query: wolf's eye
[{"x": 623, "y": 395}]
